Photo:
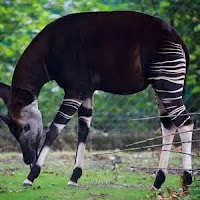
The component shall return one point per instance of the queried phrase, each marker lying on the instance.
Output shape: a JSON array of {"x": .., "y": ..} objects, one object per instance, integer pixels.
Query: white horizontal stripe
[
  {"x": 171, "y": 107},
  {"x": 180, "y": 82},
  {"x": 64, "y": 115},
  {"x": 180, "y": 112},
  {"x": 185, "y": 121},
  {"x": 168, "y": 99},
  {"x": 171, "y": 91},
  {"x": 171, "y": 78},
  {"x": 73, "y": 100},
  {"x": 181, "y": 108},
  {"x": 176, "y": 111},
  {"x": 171, "y": 61},
  {"x": 172, "y": 71},
  {"x": 69, "y": 105},
  {"x": 87, "y": 120},
  {"x": 173, "y": 49},
  {"x": 170, "y": 52},
  {"x": 175, "y": 44},
  {"x": 168, "y": 66}
]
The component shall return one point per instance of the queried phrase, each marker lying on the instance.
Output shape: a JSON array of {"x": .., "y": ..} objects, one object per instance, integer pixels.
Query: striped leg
[
  {"x": 84, "y": 119},
  {"x": 67, "y": 109},
  {"x": 167, "y": 75}
]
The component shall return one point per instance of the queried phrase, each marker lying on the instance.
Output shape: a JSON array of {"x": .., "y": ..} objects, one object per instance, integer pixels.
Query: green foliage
[
  {"x": 20, "y": 22},
  {"x": 119, "y": 117}
]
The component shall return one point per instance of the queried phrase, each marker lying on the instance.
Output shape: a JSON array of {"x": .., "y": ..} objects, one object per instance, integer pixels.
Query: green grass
[{"x": 98, "y": 181}]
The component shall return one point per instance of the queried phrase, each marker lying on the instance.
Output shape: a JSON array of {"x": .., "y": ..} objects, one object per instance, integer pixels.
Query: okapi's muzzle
[
  {"x": 30, "y": 152},
  {"x": 28, "y": 138}
]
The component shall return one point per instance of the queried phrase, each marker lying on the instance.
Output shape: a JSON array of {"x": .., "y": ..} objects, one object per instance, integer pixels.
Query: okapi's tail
[
  {"x": 180, "y": 41},
  {"x": 187, "y": 56}
]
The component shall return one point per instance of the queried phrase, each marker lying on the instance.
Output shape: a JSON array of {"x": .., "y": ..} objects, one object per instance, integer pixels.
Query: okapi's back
[{"x": 106, "y": 49}]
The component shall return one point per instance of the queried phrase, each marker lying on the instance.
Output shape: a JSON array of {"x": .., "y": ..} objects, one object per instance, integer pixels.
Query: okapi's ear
[
  {"x": 5, "y": 95},
  {"x": 23, "y": 96},
  {"x": 5, "y": 92},
  {"x": 6, "y": 119}
]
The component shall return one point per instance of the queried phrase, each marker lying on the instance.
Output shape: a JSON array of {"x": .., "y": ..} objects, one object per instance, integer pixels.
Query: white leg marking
[
  {"x": 73, "y": 100},
  {"x": 186, "y": 147},
  {"x": 72, "y": 183},
  {"x": 27, "y": 182},
  {"x": 87, "y": 120},
  {"x": 80, "y": 155},
  {"x": 88, "y": 103},
  {"x": 164, "y": 157},
  {"x": 40, "y": 160},
  {"x": 59, "y": 126},
  {"x": 65, "y": 115}
]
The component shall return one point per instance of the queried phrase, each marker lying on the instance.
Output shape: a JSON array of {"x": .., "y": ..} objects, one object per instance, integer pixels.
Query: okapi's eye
[{"x": 27, "y": 127}]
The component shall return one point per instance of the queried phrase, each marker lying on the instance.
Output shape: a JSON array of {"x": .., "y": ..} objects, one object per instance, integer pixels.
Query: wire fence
[
  {"x": 149, "y": 147},
  {"x": 195, "y": 171}
]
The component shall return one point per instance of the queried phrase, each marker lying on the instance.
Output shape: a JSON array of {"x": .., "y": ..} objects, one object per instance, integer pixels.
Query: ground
[{"x": 115, "y": 177}]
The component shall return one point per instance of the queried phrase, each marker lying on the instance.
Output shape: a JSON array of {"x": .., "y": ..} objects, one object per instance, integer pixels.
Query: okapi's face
[{"x": 24, "y": 121}]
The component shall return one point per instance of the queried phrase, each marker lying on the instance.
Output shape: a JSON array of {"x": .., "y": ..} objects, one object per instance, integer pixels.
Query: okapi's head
[{"x": 24, "y": 120}]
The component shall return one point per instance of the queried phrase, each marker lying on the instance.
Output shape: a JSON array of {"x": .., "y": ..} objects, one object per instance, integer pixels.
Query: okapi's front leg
[
  {"x": 84, "y": 120},
  {"x": 67, "y": 109}
]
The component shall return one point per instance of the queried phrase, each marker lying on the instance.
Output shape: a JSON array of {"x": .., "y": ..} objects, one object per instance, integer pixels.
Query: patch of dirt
[
  {"x": 99, "y": 196},
  {"x": 112, "y": 185}
]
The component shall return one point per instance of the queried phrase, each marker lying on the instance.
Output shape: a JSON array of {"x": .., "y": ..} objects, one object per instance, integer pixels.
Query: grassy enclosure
[{"x": 101, "y": 179}]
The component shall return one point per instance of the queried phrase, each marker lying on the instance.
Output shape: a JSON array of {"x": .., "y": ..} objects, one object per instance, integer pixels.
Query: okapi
[{"x": 118, "y": 52}]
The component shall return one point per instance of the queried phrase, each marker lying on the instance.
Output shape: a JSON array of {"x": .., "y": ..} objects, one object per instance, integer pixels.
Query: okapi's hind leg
[
  {"x": 167, "y": 72},
  {"x": 168, "y": 129},
  {"x": 67, "y": 109},
  {"x": 84, "y": 120}
]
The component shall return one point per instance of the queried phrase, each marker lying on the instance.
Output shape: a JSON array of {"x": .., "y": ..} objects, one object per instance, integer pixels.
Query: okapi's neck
[
  {"x": 30, "y": 76},
  {"x": 31, "y": 73},
  {"x": 28, "y": 79}
]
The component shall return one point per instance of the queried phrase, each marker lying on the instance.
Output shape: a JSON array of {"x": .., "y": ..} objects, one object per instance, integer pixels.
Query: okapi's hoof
[
  {"x": 153, "y": 188},
  {"x": 187, "y": 178},
  {"x": 71, "y": 183},
  {"x": 27, "y": 183},
  {"x": 160, "y": 179}
]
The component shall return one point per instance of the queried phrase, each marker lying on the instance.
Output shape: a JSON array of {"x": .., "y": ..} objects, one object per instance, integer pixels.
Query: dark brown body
[{"x": 106, "y": 51}]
